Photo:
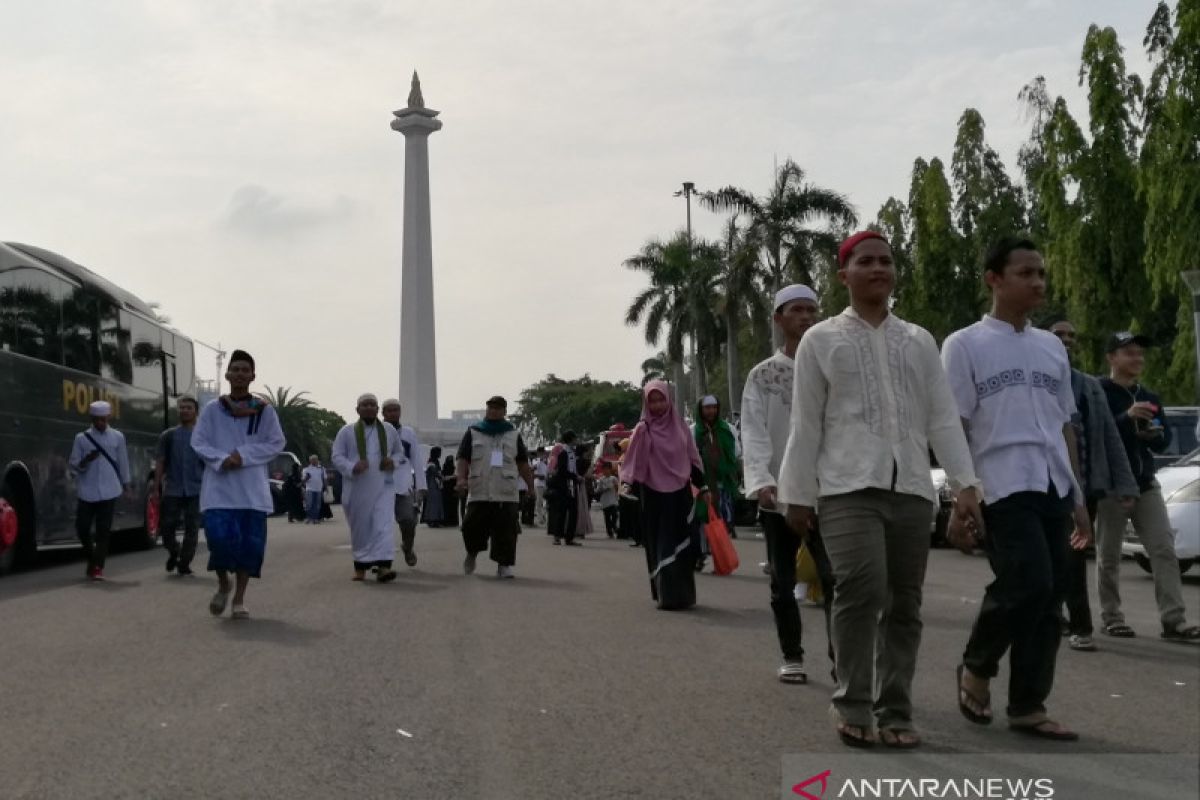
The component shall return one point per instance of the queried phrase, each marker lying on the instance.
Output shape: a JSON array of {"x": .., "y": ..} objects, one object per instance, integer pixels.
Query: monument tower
[{"x": 418, "y": 360}]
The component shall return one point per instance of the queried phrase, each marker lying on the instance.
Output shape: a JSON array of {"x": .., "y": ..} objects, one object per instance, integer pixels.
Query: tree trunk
[
  {"x": 680, "y": 399},
  {"x": 776, "y": 333},
  {"x": 698, "y": 376},
  {"x": 733, "y": 360}
]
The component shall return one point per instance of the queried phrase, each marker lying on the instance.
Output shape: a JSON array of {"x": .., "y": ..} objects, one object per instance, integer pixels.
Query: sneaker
[
  {"x": 240, "y": 612},
  {"x": 574, "y": 543},
  {"x": 172, "y": 562},
  {"x": 793, "y": 672},
  {"x": 185, "y": 570},
  {"x": 504, "y": 572},
  {"x": 469, "y": 564},
  {"x": 216, "y": 606},
  {"x": 410, "y": 558},
  {"x": 96, "y": 574},
  {"x": 558, "y": 541},
  {"x": 1077, "y": 642}
]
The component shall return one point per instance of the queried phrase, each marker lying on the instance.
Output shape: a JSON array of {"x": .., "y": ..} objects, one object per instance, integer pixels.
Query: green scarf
[
  {"x": 360, "y": 438},
  {"x": 493, "y": 427}
]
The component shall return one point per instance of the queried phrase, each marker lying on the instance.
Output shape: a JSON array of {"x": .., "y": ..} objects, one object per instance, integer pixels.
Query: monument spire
[{"x": 418, "y": 360}]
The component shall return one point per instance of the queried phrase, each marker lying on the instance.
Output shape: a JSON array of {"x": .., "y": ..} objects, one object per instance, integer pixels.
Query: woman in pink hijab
[{"x": 661, "y": 465}]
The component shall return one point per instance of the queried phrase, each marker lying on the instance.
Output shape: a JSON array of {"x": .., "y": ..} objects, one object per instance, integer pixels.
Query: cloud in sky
[{"x": 233, "y": 161}]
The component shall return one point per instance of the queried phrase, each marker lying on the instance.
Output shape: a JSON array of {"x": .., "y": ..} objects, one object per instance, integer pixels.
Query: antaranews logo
[
  {"x": 927, "y": 788},
  {"x": 801, "y": 788}
]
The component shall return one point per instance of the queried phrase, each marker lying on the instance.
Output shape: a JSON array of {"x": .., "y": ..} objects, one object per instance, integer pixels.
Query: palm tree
[
  {"x": 677, "y": 302},
  {"x": 656, "y": 368},
  {"x": 785, "y": 222},
  {"x": 740, "y": 277},
  {"x": 298, "y": 420}
]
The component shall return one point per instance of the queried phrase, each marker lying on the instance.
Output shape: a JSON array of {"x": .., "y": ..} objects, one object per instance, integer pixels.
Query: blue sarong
[{"x": 237, "y": 540}]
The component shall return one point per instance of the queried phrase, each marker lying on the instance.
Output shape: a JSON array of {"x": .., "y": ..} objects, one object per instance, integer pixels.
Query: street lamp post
[
  {"x": 1192, "y": 278},
  {"x": 686, "y": 193}
]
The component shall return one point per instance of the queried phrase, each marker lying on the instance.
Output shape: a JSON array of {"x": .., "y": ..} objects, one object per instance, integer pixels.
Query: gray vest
[{"x": 488, "y": 483}]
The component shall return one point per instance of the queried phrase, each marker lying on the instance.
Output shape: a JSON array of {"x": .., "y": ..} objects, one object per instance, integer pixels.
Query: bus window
[
  {"x": 81, "y": 331},
  {"x": 146, "y": 338},
  {"x": 32, "y": 302},
  {"x": 184, "y": 367}
]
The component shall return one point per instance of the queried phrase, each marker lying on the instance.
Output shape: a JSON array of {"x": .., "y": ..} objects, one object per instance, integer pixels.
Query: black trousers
[
  {"x": 494, "y": 521},
  {"x": 172, "y": 511},
  {"x": 782, "y": 547},
  {"x": 1079, "y": 610},
  {"x": 610, "y": 520},
  {"x": 1026, "y": 544},
  {"x": 563, "y": 516},
  {"x": 101, "y": 514}
]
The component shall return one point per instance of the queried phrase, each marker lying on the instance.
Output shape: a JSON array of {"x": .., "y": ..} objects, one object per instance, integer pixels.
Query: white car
[
  {"x": 937, "y": 533},
  {"x": 1181, "y": 489}
]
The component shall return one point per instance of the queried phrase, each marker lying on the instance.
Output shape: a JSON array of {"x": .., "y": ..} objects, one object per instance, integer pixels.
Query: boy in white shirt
[
  {"x": 869, "y": 402},
  {"x": 236, "y": 436},
  {"x": 1012, "y": 384}
]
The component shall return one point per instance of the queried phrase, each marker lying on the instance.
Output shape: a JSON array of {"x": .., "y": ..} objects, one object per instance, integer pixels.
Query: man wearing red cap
[{"x": 871, "y": 402}]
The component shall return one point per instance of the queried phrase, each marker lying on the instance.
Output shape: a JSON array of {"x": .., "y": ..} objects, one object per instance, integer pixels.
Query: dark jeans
[
  {"x": 1026, "y": 544},
  {"x": 101, "y": 513},
  {"x": 1079, "y": 610},
  {"x": 564, "y": 513},
  {"x": 312, "y": 506},
  {"x": 610, "y": 520},
  {"x": 782, "y": 547},
  {"x": 496, "y": 521},
  {"x": 172, "y": 509}
]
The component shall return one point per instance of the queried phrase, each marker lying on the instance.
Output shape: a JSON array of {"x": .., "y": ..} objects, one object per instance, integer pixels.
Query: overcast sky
[{"x": 232, "y": 160}]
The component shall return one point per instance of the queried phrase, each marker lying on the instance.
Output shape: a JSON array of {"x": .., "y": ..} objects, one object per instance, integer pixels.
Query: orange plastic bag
[{"x": 724, "y": 556}]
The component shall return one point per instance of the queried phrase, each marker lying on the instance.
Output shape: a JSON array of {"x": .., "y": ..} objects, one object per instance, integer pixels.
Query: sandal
[
  {"x": 899, "y": 738},
  {"x": 855, "y": 735},
  {"x": 984, "y": 703},
  {"x": 1055, "y": 733},
  {"x": 1119, "y": 630},
  {"x": 1186, "y": 633},
  {"x": 386, "y": 576}
]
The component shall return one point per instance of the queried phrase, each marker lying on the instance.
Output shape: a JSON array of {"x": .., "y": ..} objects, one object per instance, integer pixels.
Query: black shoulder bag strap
[{"x": 104, "y": 453}]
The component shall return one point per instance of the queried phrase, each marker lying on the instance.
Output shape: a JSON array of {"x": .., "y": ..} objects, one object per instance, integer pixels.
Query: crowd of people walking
[{"x": 834, "y": 445}]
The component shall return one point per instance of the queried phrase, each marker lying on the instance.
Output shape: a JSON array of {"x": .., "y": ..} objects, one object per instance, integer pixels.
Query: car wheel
[
  {"x": 1143, "y": 561},
  {"x": 1185, "y": 564},
  {"x": 16, "y": 529},
  {"x": 146, "y": 537}
]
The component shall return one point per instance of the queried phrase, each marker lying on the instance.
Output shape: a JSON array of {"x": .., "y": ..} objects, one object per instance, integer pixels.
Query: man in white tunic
[
  {"x": 766, "y": 423},
  {"x": 366, "y": 452},
  {"x": 100, "y": 464},
  {"x": 236, "y": 437}
]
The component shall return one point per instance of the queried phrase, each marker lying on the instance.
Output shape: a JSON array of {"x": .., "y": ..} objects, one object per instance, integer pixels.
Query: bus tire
[
  {"x": 16, "y": 526},
  {"x": 146, "y": 537}
]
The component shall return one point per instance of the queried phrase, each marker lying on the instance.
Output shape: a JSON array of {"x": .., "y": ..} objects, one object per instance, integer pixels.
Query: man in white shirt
[
  {"x": 766, "y": 423},
  {"x": 540, "y": 471},
  {"x": 236, "y": 437},
  {"x": 1012, "y": 384},
  {"x": 100, "y": 464},
  {"x": 870, "y": 400},
  {"x": 366, "y": 453},
  {"x": 410, "y": 480},
  {"x": 314, "y": 490}
]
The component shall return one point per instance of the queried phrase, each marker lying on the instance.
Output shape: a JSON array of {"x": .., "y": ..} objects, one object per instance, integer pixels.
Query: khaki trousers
[{"x": 1153, "y": 529}]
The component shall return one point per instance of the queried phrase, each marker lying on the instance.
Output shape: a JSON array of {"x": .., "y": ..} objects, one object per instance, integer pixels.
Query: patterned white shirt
[
  {"x": 1013, "y": 388},
  {"x": 766, "y": 421},
  {"x": 867, "y": 407}
]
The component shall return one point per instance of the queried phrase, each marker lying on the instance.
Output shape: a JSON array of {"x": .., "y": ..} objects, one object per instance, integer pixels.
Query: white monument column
[{"x": 418, "y": 360}]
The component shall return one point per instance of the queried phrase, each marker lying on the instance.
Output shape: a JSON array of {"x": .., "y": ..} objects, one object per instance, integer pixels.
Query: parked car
[
  {"x": 941, "y": 520},
  {"x": 1181, "y": 489},
  {"x": 277, "y": 473},
  {"x": 1182, "y": 421}
]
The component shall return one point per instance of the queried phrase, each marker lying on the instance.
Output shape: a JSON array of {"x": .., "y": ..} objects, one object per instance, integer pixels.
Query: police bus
[{"x": 69, "y": 337}]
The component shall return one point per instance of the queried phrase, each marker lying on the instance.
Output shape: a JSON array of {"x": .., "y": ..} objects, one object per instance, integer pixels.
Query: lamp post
[
  {"x": 686, "y": 193},
  {"x": 1192, "y": 278}
]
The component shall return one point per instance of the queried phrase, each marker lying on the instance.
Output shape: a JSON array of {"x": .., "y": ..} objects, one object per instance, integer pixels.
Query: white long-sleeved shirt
[
  {"x": 766, "y": 421},
  {"x": 96, "y": 481},
  {"x": 410, "y": 466},
  {"x": 871, "y": 404},
  {"x": 1013, "y": 388},
  {"x": 256, "y": 439}
]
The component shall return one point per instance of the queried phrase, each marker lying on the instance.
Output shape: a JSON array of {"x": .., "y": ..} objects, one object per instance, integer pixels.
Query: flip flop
[
  {"x": 1037, "y": 730},
  {"x": 973, "y": 716},
  {"x": 1120, "y": 630},
  {"x": 895, "y": 742},
  {"x": 1189, "y": 634},
  {"x": 386, "y": 577},
  {"x": 864, "y": 742}
]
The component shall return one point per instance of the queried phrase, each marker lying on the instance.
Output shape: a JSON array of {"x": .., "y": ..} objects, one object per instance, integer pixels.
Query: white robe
[{"x": 368, "y": 498}]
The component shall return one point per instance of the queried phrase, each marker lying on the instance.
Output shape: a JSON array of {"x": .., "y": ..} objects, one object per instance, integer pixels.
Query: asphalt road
[{"x": 565, "y": 682}]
